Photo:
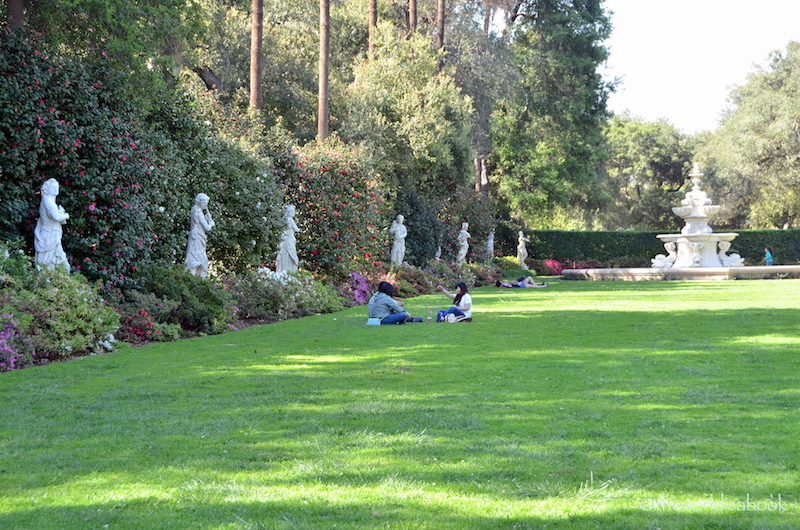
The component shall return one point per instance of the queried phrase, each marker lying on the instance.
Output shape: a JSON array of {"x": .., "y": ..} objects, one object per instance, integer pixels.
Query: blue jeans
[
  {"x": 452, "y": 311},
  {"x": 394, "y": 318}
]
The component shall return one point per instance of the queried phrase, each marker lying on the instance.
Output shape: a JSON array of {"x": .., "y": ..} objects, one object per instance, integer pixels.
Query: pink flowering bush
[
  {"x": 553, "y": 267},
  {"x": 355, "y": 290}
]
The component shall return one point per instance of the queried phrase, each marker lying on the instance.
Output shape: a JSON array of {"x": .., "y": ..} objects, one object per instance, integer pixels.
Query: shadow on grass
[
  {"x": 311, "y": 422},
  {"x": 402, "y": 511}
]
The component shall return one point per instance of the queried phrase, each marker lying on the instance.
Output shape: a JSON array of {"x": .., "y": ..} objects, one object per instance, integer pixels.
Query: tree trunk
[
  {"x": 372, "y": 25},
  {"x": 256, "y": 43},
  {"x": 16, "y": 13},
  {"x": 323, "y": 110},
  {"x": 412, "y": 16},
  {"x": 211, "y": 80},
  {"x": 440, "y": 30}
]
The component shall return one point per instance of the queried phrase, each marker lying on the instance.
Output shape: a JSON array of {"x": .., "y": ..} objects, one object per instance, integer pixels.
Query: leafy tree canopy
[
  {"x": 548, "y": 141},
  {"x": 754, "y": 157}
]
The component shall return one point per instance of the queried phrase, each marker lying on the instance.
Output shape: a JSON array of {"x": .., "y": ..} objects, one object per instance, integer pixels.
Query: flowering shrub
[
  {"x": 64, "y": 316},
  {"x": 484, "y": 275},
  {"x": 127, "y": 186},
  {"x": 267, "y": 294},
  {"x": 145, "y": 317},
  {"x": 339, "y": 208},
  {"x": 410, "y": 281},
  {"x": 355, "y": 291},
  {"x": 553, "y": 267},
  {"x": 136, "y": 326},
  {"x": 13, "y": 348},
  {"x": 448, "y": 274}
]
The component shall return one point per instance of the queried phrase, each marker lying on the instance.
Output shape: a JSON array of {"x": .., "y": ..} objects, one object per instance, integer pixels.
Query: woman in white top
[{"x": 462, "y": 303}]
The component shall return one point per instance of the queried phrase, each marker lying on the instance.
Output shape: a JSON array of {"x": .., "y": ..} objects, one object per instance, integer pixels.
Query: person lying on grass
[
  {"x": 521, "y": 282},
  {"x": 462, "y": 303},
  {"x": 382, "y": 306}
]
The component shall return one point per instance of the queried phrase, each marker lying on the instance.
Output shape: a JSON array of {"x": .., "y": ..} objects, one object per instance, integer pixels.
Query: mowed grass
[{"x": 584, "y": 405}]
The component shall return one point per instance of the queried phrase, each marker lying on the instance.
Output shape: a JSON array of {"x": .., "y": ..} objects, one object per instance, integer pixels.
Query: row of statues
[{"x": 52, "y": 217}]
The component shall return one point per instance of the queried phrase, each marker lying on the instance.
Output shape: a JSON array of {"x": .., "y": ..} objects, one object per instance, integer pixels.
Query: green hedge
[{"x": 639, "y": 247}]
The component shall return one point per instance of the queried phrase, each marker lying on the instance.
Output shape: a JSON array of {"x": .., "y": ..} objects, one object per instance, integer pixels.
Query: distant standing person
[
  {"x": 768, "y": 255},
  {"x": 47, "y": 235},
  {"x": 200, "y": 222}
]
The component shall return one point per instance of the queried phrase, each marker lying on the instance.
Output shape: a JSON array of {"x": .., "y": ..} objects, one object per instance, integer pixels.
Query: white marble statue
[
  {"x": 47, "y": 235},
  {"x": 399, "y": 231},
  {"x": 729, "y": 260},
  {"x": 200, "y": 222},
  {"x": 463, "y": 243},
  {"x": 522, "y": 250},
  {"x": 490, "y": 247},
  {"x": 662, "y": 261},
  {"x": 287, "y": 260}
]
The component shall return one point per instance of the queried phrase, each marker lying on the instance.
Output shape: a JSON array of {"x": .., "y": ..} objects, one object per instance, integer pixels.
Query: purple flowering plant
[
  {"x": 13, "y": 350},
  {"x": 355, "y": 291}
]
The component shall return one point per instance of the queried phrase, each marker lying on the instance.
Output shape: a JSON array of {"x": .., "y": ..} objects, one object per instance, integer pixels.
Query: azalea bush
[
  {"x": 355, "y": 290},
  {"x": 14, "y": 350},
  {"x": 145, "y": 317},
  {"x": 60, "y": 316},
  {"x": 265, "y": 294}
]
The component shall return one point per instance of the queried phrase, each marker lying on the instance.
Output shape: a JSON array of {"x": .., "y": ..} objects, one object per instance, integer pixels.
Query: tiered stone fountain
[
  {"x": 697, "y": 253},
  {"x": 697, "y": 245}
]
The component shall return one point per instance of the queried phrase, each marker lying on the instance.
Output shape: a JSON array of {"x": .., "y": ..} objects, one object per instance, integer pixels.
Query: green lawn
[{"x": 584, "y": 405}]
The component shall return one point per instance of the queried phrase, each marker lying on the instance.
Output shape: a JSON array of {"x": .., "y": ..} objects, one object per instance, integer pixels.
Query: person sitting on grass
[
  {"x": 521, "y": 282},
  {"x": 388, "y": 310},
  {"x": 462, "y": 304}
]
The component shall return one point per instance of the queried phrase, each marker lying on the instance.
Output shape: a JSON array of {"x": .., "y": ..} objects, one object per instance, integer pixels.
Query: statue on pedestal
[
  {"x": 48, "y": 231},
  {"x": 522, "y": 250},
  {"x": 399, "y": 231},
  {"x": 200, "y": 222},
  {"x": 287, "y": 260},
  {"x": 463, "y": 243}
]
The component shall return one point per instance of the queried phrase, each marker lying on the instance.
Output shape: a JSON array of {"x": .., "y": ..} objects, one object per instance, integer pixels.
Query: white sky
[{"x": 678, "y": 59}]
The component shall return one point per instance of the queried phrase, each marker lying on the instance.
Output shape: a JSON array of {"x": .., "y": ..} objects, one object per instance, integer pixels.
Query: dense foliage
[
  {"x": 127, "y": 185},
  {"x": 753, "y": 158},
  {"x": 647, "y": 166},
  {"x": 549, "y": 144},
  {"x": 49, "y": 315},
  {"x": 339, "y": 208},
  {"x": 411, "y": 117}
]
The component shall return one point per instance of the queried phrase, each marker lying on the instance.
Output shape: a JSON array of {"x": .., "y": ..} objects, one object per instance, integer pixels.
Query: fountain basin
[{"x": 686, "y": 274}]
